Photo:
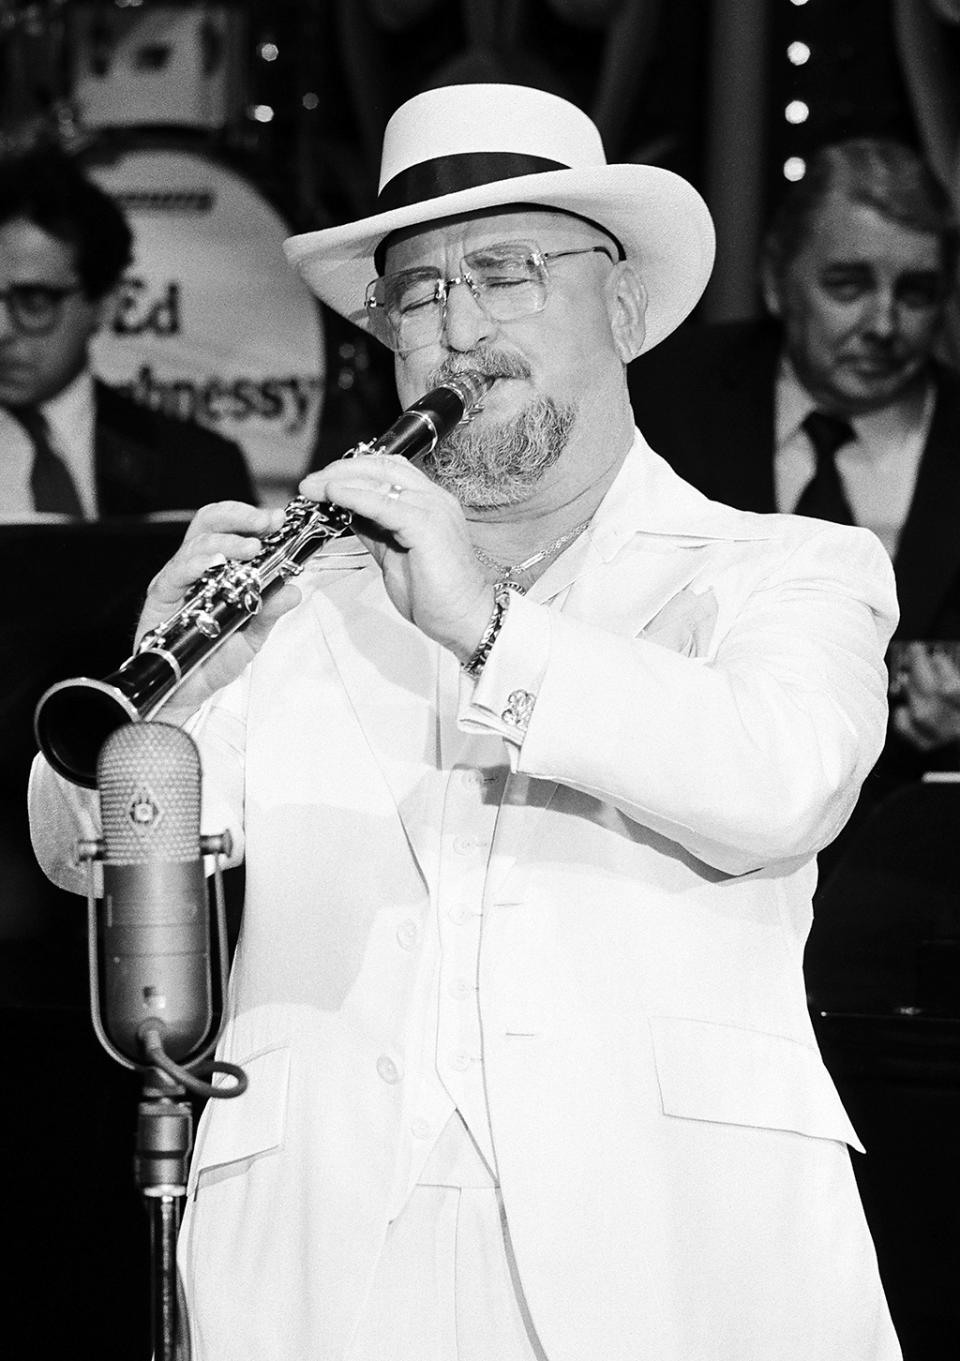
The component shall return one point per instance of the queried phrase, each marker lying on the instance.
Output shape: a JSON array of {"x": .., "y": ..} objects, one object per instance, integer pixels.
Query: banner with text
[{"x": 211, "y": 323}]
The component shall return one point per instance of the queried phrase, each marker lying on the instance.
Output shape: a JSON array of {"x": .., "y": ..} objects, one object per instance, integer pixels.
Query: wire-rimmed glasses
[{"x": 509, "y": 280}]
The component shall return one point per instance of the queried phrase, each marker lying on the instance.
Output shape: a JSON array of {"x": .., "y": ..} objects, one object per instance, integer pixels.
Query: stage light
[
  {"x": 310, "y": 100},
  {"x": 798, "y": 54},
  {"x": 269, "y": 51},
  {"x": 794, "y": 168},
  {"x": 796, "y": 111},
  {"x": 261, "y": 113}
]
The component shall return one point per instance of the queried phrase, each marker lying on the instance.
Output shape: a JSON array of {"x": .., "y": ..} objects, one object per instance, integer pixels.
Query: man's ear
[{"x": 626, "y": 300}]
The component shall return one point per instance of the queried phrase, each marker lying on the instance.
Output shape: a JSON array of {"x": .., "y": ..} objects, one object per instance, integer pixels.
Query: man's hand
[
  {"x": 928, "y": 688},
  {"x": 224, "y": 530},
  {"x": 418, "y": 534}
]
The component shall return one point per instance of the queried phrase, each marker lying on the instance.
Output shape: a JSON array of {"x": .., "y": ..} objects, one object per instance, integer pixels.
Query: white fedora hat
[{"x": 464, "y": 148}]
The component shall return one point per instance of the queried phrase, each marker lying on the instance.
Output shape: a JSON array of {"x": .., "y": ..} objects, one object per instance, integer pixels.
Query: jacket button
[
  {"x": 407, "y": 934},
  {"x": 387, "y": 1069}
]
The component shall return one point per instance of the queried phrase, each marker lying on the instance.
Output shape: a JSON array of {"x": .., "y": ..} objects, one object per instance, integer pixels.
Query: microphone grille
[{"x": 148, "y": 775}]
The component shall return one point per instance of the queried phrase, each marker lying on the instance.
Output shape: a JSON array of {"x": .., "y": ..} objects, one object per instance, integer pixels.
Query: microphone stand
[
  {"x": 164, "y": 1141},
  {"x": 164, "y": 1117}
]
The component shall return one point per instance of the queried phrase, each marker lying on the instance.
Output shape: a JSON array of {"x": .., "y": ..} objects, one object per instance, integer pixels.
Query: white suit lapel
[
  {"x": 623, "y": 596},
  {"x": 389, "y": 672},
  {"x": 636, "y": 575}
]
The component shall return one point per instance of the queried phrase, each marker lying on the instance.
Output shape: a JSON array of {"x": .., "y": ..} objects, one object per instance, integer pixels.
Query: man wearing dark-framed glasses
[
  {"x": 69, "y": 444},
  {"x": 36, "y": 309}
]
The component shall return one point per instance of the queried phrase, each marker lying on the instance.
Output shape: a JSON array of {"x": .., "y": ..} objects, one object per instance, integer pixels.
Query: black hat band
[{"x": 451, "y": 174}]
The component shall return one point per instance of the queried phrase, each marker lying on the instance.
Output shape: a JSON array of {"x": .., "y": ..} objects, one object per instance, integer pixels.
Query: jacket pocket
[
  {"x": 236, "y": 1129},
  {"x": 736, "y": 1076}
]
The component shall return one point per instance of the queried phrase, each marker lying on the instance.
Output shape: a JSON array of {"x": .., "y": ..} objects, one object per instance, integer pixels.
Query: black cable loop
[{"x": 151, "y": 1037}]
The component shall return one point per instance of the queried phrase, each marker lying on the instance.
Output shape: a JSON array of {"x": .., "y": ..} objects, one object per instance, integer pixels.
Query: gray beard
[{"x": 498, "y": 465}]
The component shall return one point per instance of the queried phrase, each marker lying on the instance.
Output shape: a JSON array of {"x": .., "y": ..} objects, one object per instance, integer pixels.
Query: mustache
[{"x": 485, "y": 359}]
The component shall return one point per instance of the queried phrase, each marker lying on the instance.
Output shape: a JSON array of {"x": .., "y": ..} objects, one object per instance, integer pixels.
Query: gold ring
[{"x": 393, "y": 492}]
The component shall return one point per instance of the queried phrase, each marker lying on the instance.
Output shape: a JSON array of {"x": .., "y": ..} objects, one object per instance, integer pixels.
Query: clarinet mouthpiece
[{"x": 471, "y": 387}]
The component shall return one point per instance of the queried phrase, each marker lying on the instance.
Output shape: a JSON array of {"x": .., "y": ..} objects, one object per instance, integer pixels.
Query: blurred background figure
[
  {"x": 835, "y": 405},
  {"x": 69, "y": 444}
]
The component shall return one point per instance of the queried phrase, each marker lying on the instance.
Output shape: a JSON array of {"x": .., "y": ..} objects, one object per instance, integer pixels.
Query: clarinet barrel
[{"x": 75, "y": 717}]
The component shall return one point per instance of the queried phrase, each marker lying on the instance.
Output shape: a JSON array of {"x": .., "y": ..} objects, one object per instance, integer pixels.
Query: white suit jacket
[{"x": 710, "y": 693}]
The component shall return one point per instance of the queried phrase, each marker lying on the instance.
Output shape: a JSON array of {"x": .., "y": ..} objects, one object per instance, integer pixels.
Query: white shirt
[
  {"x": 447, "y": 1051},
  {"x": 472, "y": 764},
  {"x": 70, "y": 417},
  {"x": 878, "y": 469}
]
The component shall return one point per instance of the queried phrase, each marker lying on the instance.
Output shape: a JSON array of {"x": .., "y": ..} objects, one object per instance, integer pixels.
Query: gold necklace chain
[{"x": 507, "y": 572}]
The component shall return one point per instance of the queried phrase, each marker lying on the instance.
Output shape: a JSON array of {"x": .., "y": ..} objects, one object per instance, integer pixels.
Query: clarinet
[{"x": 75, "y": 717}]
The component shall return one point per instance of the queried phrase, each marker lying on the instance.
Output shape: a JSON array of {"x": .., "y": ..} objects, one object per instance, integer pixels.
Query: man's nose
[
  {"x": 883, "y": 316},
  {"x": 465, "y": 321}
]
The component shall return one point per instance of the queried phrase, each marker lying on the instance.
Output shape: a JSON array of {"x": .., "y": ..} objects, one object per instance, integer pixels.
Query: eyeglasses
[
  {"x": 508, "y": 281},
  {"x": 35, "y": 309}
]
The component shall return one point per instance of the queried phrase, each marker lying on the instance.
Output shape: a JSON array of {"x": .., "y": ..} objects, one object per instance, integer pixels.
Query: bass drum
[{"x": 210, "y": 322}]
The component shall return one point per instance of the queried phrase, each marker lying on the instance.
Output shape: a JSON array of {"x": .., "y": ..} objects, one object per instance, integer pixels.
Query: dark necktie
[
  {"x": 50, "y": 482},
  {"x": 823, "y": 496}
]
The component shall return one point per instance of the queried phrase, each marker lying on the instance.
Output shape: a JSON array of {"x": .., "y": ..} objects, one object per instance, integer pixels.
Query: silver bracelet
[{"x": 501, "y": 600}]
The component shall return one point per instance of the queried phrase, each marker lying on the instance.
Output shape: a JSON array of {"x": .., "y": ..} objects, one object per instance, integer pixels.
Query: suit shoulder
[
  {"x": 214, "y": 466},
  {"x": 677, "y": 387},
  {"x": 704, "y": 344},
  {"x": 788, "y": 534},
  {"x": 847, "y": 553},
  {"x": 947, "y": 381},
  {"x": 121, "y": 413}
]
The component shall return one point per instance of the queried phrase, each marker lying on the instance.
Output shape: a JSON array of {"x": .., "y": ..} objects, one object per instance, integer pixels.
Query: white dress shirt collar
[
  {"x": 71, "y": 416},
  {"x": 878, "y": 432},
  {"x": 878, "y": 468}
]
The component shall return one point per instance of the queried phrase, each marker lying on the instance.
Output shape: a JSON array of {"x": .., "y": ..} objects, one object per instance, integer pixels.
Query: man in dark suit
[
  {"x": 834, "y": 405},
  {"x": 70, "y": 445}
]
